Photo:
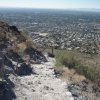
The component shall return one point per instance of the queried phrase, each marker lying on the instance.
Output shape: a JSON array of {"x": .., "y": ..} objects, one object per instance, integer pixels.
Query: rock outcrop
[
  {"x": 35, "y": 55},
  {"x": 6, "y": 91},
  {"x": 83, "y": 91},
  {"x": 24, "y": 69},
  {"x": 11, "y": 61}
]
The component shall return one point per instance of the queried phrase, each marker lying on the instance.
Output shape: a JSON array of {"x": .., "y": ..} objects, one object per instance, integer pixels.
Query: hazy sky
[{"x": 62, "y": 4}]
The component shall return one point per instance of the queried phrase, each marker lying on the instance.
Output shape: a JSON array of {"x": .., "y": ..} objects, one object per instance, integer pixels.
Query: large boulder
[
  {"x": 14, "y": 56},
  {"x": 24, "y": 69},
  {"x": 36, "y": 55},
  {"x": 14, "y": 29},
  {"x": 6, "y": 92}
]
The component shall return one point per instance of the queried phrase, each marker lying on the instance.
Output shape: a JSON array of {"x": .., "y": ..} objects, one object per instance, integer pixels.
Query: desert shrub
[
  {"x": 67, "y": 58},
  {"x": 29, "y": 41},
  {"x": 73, "y": 60},
  {"x": 24, "y": 34}
]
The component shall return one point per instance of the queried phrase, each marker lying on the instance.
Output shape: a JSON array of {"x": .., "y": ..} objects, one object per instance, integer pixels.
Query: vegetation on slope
[{"x": 81, "y": 63}]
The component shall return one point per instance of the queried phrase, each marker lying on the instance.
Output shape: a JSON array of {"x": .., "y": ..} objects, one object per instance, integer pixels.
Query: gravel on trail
[{"x": 41, "y": 86}]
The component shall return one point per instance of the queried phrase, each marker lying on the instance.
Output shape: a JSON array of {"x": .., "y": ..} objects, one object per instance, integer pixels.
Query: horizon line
[
  {"x": 76, "y": 9},
  {"x": 47, "y": 8}
]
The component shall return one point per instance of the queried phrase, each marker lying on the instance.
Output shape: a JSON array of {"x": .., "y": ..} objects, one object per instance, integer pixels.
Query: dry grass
[
  {"x": 20, "y": 46},
  {"x": 82, "y": 64},
  {"x": 70, "y": 74}
]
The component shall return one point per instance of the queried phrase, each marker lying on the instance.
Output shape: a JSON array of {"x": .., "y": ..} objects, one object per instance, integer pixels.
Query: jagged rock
[
  {"x": 8, "y": 62},
  {"x": 4, "y": 43},
  {"x": 6, "y": 92},
  {"x": 36, "y": 55},
  {"x": 17, "y": 33},
  {"x": 14, "y": 56},
  {"x": 3, "y": 46},
  {"x": 83, "y": 91},
  {"x": 14, "y": 29},
  {"x": 8, "y": 70},
  {"x": 1, "y": 68},
  {"x": 24, "y": 69},
  {"x": 12, "y": 62},
  {"x": 58, "y": 73},
  {"x": 51, "y": 55},
  {"x": 6, "y": 66}
]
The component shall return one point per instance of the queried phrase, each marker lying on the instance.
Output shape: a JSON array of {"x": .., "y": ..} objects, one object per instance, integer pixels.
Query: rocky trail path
[{"x": 41, "y": 86}]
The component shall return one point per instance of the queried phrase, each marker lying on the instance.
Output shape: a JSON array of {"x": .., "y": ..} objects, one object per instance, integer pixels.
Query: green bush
[{"x": 67, "y": 58}]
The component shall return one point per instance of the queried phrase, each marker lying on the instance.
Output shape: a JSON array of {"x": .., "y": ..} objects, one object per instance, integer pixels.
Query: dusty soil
[{"x": 41, "y": 86}]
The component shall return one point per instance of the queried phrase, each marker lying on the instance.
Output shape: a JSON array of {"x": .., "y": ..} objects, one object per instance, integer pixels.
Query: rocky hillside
[
  {"x": 25, "y": 73},
  {"x": 16, "y": 55},
  {"x": 41, "y": 86}
]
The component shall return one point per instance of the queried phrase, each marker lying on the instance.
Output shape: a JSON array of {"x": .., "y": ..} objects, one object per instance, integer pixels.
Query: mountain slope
[
  {"x": 12, "y": 61},
  {"x": 25, "y": 73}
]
